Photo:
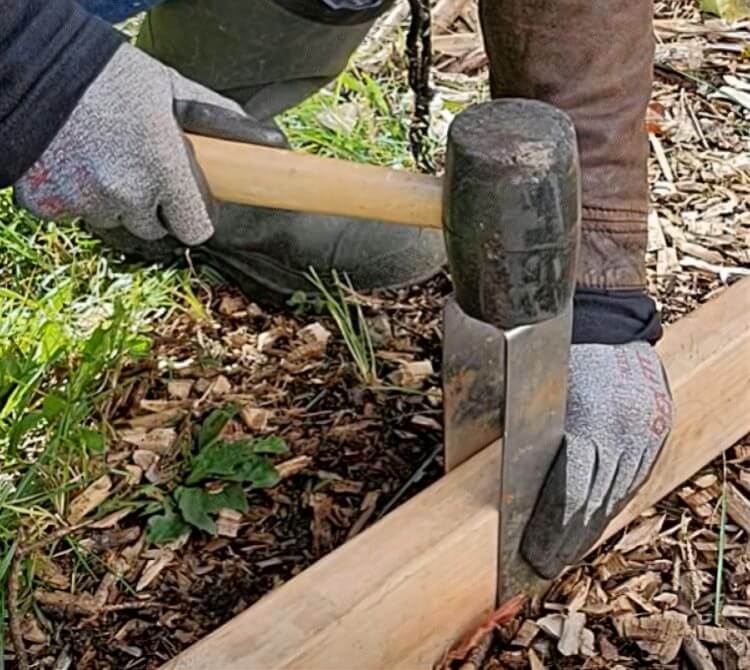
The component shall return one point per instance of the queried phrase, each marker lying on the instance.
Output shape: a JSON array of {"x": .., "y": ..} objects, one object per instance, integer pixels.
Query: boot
[
  {"x": 269, "y": 55},
  {"x": 593, "y": 59}
]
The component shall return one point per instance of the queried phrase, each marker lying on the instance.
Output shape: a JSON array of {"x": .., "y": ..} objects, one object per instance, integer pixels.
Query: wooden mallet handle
[{"x": 253, "y": 175}]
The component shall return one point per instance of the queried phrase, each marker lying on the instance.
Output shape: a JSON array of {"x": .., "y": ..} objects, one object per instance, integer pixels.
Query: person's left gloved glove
[
  {"x": 618, "y": 418},
  {"x": 121, "y": 159}
]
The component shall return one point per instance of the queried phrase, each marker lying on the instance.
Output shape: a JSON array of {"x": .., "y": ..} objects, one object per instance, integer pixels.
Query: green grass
[
  {"x": 719, "y": 588},
  {"x": 351, "y": 322},
  {"x": 358, "y": 118},
  {"x": 71, "y": 316}
]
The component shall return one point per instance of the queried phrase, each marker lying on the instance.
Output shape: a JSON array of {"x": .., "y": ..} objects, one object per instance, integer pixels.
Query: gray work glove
[
  {"x": 618, "y": 418},
  {"x": 121, "y": 159}
]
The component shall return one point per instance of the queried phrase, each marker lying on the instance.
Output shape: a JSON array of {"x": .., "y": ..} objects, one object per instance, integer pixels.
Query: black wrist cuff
[{"x": 614, "y": 317}]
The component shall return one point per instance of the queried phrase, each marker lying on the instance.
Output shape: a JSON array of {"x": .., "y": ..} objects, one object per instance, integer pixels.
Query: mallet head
[{"x": 511, "y": 211}]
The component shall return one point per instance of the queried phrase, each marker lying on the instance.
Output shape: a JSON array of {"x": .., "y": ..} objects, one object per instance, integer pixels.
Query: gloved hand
[
  {"x": 121, "y": 159},
  {"x": 618, "y": 418}
]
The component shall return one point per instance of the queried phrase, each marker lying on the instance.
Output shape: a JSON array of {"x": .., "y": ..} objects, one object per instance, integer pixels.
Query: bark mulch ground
[{"x": 113, "y": 599}]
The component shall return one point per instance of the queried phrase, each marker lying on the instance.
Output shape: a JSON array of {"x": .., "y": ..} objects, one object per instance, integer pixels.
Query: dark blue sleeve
[
  {"x": 117, "y": 10},
  {"x": 50, "y": 51}
]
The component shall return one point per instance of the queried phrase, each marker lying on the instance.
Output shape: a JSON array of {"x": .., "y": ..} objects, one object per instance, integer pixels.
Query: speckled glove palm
[
  {"x": 121, "y": 159},
  {"x": 618, "y": 419}
]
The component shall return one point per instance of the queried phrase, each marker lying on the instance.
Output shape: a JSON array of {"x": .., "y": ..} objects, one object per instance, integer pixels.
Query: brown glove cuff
[{"x": 613, "y": 249}]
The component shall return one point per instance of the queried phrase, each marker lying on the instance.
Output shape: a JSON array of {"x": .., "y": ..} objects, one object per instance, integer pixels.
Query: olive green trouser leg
[{"x": 269, "y": 58}]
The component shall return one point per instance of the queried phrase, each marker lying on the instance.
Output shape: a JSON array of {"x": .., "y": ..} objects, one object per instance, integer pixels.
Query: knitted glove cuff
[{"x": 614, "y": 317}]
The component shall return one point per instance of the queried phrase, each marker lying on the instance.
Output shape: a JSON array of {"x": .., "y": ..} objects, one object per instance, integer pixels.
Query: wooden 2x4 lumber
[
  {"x": 707, "y": 357},
  {"x": 394, "y": 597},
  {"x": 398, "y": 594}
]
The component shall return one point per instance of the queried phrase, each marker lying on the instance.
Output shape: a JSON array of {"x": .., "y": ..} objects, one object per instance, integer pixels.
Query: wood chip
[
  {"x": 367, "y": 510},
  {"x": 231, "y": 305},
  {"x": 228, "y": 523},
  {"x": 736, "y": 612},
  {"x": 426, "y": 422},
  {"x": 221, "y": 386},
  {"x": 149, "y": 462},
  {"x": 158, "y": 419},
  {"x": 180, "y": 389},
  {"x": 608, "y": 650},
  {"x": 552, "y": 624},
  {"x": 89, "y": 500},
  {"x": 609, "y": 565},
  {"x": 446, "y": 12},
  {"x": 526, "y": 634},
  {"x": 32, "y": 631},
  {"x": 661, "y": 157},
  {"x": 656, "y": 239},
  {"x": 293, "y": 466},
  {"x": 64, "y": 661},
  {"x": 705, "y": 481},
  {"x": 588, "y": 643},
  {"x": 699, "y": 656},
  {"x": 151, "y": 405},
  {"x": 456, "y": 44},
  {"x": 154, "y": 568},
  {"x": 667, "y": 600},
  {"x": 646, "y": 584},
  {"x": 702, "y": 501},
  {"x": 579, "y": 595},
  {"x": 315, "y": 333},
  {"x": 745, "y": 480},
  {"x": 144, "y": 459},
  {"x": 111, "y": 520},
  {"x": 267, "y": 339},
  {"x": 67, "y": 603},
  {"x": 159, "y": 440},
  {"x": 412, "y": 374},
  {"x": 660, "y": 635},
  {"x": 133, "y": 474},
  {"x": 644, "y": 532},
  {"x": 255, "y": 418},
  {"x": 51, "y": 573},
  {"x": 738, "y": 507},
  {"x": 105, "y": 588},
  {"x": 534, "y": 662},
  {"x": 570, "y": 638}
]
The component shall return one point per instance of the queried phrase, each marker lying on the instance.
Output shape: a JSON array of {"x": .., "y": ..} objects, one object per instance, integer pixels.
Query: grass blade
[{"x": 718, "y": 595}]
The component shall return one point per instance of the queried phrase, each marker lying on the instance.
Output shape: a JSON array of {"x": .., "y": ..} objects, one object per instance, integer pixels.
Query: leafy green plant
[
  {"x": 232, "y": 465},
  {"x": 303, "y": 303},
  {"x": 355, "y": 331}
]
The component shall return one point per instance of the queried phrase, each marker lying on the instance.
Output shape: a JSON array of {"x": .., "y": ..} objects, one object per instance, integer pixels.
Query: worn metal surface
[
  {"x": 510, "y": 385},
  {"x": 536, "y": 371},
  {"x": 473, "y": 384}
]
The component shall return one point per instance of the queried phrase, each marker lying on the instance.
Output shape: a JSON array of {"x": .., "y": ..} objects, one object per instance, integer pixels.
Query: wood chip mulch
[
  {"x": 646, "y": 600},
  {"x": 355, "y": 452}
]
